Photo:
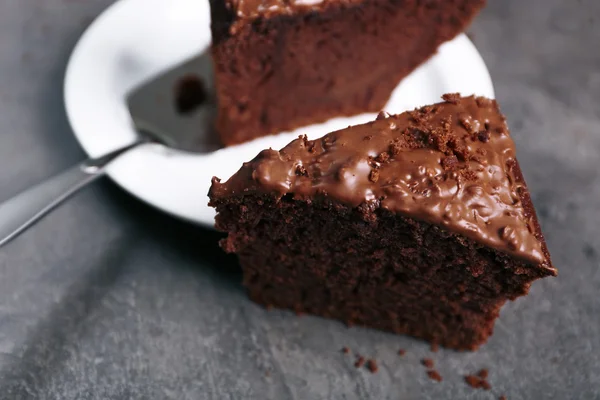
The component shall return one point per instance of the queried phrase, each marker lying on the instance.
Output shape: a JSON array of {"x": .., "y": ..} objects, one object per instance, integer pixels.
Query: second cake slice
[{"x": 282, "y": 64}]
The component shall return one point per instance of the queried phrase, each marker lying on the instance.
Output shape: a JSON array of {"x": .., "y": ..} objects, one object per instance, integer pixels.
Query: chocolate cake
[
  {"x": 419, "y": 223},
  {"x": 282, "y": 64}
]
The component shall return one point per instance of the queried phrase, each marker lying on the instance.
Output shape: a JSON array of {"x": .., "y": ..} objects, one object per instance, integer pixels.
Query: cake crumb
[
  {"x": 395, "y": 148},
  {"x": 359, "y": 362},
  {"x": 382, "y": 115},
  {"x": 433, "y": 374},
  {"x": 190, "y": 93},
  {"x": 453, "y": 98},
  {"x": 473, "y": 381},
  {"x": 428, "y": 362},
  {"x": 448, "y": 163},
  {"x": 483, "y": 373},
  {"x": 477, "y": 382},
  {"x": 382, "y": 157},
  {"x": 372, "y": 366},
  {"x": 401, "y": 352},
  {"x": 503, "y": 397},
  {"x": 374, "y": 176},
  {"x": 467, "y": 122},
  {"x": 345, "y": 350}
]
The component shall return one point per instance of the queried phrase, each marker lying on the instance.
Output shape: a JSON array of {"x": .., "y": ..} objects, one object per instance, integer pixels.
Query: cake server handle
[{"x": 28, "y": 207}]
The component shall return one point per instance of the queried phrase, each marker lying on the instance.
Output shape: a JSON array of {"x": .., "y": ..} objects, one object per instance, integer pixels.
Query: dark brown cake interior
[{"x": 306, "y": 245}]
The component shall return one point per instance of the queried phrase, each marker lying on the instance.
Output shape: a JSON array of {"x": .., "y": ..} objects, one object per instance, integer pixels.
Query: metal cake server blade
[{"x": 155, "y": 117}]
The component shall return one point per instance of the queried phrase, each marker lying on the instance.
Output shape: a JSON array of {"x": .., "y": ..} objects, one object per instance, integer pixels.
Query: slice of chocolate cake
[
  {"x": 419, "y": 223},
  {"x": 282, "y": 64}
]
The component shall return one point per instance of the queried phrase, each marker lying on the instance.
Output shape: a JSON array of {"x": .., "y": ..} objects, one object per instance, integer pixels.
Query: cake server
[{"x": 157, "y": 123}]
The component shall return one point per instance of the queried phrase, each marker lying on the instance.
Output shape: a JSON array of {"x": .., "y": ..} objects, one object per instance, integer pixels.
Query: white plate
[{"x": 134, "y": 40}]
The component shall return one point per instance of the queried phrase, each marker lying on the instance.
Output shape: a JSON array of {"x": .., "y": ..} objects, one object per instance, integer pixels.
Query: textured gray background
[{"x": 108, "y": 299}]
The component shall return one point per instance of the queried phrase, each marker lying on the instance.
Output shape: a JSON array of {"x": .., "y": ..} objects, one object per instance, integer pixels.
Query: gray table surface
[{"x": 109, "y": 299}]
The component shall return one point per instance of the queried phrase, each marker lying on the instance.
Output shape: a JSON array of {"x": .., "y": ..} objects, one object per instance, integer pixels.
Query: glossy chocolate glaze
[{"x": 451, "y": 164}]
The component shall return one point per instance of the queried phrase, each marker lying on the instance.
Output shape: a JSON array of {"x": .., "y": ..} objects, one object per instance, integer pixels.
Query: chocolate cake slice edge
[{"x": 306, "y": 247}]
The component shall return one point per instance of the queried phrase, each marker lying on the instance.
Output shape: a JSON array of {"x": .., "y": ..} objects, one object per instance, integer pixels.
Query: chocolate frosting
[{"x": 451, "y": 164}]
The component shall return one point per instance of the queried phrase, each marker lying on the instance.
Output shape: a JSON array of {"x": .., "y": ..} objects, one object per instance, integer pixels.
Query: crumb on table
[
  {"x": 360, "y": 360},
  {"x": 372, "y": 366},
  {"x": 433, "y": 374}
]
